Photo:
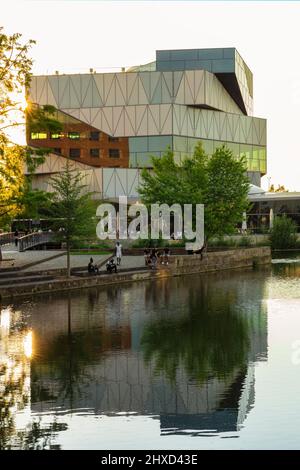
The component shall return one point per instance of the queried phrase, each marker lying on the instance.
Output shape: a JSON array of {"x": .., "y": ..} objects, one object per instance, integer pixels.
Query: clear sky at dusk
[{"x": 73, "y": 36}]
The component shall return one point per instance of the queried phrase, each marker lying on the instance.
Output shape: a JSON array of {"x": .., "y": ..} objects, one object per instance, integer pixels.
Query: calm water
[{"x": 192, "y": 362}]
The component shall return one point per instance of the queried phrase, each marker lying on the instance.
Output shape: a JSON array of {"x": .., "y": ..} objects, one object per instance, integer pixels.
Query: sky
[{"x": 74, "y": 36}]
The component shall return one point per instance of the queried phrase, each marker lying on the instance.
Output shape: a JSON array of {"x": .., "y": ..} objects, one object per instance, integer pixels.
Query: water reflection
[{"x": 180, "y": 350}]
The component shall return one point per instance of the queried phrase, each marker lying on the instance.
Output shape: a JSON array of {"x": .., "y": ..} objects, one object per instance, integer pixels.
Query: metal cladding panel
[
  {"x": 226, "y": 63},
  {"x": 117, "y": 181},
  {"x": 218, "y": 126},
  {"x": 190, "y": 87}
]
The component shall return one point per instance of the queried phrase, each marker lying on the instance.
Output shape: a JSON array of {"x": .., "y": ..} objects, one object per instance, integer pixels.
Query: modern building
[
  {"x": 118, "y": 121},
  {"x": 265, "y": 203}
]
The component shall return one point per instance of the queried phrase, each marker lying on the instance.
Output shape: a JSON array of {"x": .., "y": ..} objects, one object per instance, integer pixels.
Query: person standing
[
  {"x": 118, "y": 253},
  {"x": 166, "y": 255},
  {"x": 146, "y": 256},
  {"x": 153, "y": 257}
]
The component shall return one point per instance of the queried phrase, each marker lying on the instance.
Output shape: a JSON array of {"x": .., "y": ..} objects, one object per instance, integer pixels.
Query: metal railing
[
  {"x": 34, "y": 239},
  {"x": 7, "y": 238}
]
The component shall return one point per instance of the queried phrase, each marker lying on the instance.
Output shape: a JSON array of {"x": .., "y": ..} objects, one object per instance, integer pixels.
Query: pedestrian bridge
[
  {"x": 34, "y": 239},
  {"x": 25, "y": 242}
]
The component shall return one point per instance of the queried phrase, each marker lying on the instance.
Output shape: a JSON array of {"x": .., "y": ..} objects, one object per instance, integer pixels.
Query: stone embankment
[{"x": 179, "y": 265}]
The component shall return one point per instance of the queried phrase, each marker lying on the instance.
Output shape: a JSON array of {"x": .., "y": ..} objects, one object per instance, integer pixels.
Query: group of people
[
  {"x": 153, "y": 257},
  {"x": 111, "y": 266},
  {"x": 92, "y": 267}
]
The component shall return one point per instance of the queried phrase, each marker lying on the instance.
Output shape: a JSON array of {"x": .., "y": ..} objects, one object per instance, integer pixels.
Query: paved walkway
[
  {"x": 12, "y": 257},
  {"x": 78, "y": 261}
]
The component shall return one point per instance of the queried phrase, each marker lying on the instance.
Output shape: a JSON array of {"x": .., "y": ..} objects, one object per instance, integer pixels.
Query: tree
[
  {"x": 226, "y": 193},
  {"x": 15, "y": 69},
  {"x": 15, "y": 76},
  {"x": 218, "y": 181},
  {"x": 72, "y": 208},
  {"x": 284, "y": 233},
  {"x": 280, "y": 189}
]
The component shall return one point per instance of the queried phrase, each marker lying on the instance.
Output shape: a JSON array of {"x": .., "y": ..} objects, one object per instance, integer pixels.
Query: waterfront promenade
[
  {"x": 40, "y": 259},
  {"x": 50, "y": 275}
]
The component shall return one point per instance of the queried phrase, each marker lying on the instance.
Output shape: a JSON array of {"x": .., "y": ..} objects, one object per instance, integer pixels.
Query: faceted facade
[{"x": 181, "y": 98}]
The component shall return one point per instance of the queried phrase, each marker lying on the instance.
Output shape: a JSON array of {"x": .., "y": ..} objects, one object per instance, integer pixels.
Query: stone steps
[{"x": 16, "y": 282}]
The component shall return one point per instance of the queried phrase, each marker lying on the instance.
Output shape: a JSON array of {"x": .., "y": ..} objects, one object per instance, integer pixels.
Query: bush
[
  {"x": 221, "y": 242},
  {"x": 283, "y": 234},
  {"x": 244, "y": 242},
  {"x": 149, "y": 243}
]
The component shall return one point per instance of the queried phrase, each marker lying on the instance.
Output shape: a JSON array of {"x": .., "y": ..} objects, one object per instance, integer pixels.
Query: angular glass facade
[
  {"x": 141, "y": 149},
  {"x": 183, "y": 97}
]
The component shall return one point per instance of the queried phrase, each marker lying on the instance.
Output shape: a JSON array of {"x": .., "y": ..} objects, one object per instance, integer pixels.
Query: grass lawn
[{"x": 91, "y": 252}]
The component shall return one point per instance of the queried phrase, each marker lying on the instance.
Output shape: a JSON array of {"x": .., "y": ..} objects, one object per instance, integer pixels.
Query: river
[{"x": 193, "y": 362}]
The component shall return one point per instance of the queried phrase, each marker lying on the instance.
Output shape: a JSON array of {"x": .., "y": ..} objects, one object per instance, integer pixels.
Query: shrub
[
  {"x": 221, "y": 242},
  {"x": 284, "y": 233},
  {"x": 149, "y": 243},
  {"x": 244, "y": 241}
]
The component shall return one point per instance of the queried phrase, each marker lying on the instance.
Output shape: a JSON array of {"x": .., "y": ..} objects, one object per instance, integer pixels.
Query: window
[
  {"x": 74, "y": 135},
  {"x": 114, "y": 153},
  {"x": 74, "y": 153},
  {"x": 56, "y": 135},
  {"x": 95, "y": 135},
  {"x": 57, "y": 150},
  {"x": 38, "y": 135},
  {"x": 94, "y": 152},
  {"x": 113, "y": 139}
]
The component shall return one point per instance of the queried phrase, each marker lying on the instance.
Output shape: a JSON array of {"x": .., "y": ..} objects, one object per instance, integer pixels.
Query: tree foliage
[
  {"x": 72, "y": 208},
  {"x": 15, "y": 76},
  {"x": 284, "y": 233},
  {"x": 15, "y": 66},
  {"x": 218, "y": 181}
]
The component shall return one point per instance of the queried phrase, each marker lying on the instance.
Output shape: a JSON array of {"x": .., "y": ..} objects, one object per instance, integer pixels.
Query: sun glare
[{"x": 27, "y": 344}]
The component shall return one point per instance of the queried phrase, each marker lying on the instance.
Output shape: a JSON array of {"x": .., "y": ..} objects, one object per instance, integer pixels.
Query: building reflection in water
[{"x": 181, "y": 350}]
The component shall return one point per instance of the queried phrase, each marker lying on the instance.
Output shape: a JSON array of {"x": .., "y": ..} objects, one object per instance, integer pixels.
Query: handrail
[
  {"x": 7, "y": 238},
  {"x": 34, "y": 239}
]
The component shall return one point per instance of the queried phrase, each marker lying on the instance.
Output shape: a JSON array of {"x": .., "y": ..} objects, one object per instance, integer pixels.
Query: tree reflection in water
[{"x": 209, "y": 339}]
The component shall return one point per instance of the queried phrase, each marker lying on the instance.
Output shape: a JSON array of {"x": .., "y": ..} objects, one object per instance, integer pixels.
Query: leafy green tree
[
  {"x": 15, "y": 76},
  {"x": 284, "y": 233},
  {"x": 226, "y": 192},
  {"x": 218, "y": 181},
  {"x": 72, "y": 208}
]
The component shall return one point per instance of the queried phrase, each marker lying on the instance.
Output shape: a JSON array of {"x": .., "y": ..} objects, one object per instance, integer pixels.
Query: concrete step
[
  {"x": 6, "y": 274},
  {"x": 10, "y": 282},
  {"x": 85, "y": 273}
]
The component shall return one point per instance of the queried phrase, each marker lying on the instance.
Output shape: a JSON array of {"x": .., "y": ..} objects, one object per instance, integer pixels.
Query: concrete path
[
  {"x": 12, "y": 257},
  {"x": 78, "y": 261}
]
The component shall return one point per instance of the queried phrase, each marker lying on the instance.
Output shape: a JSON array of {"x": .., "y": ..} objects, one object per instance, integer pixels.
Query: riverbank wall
[{"x": 178, "y": 265}]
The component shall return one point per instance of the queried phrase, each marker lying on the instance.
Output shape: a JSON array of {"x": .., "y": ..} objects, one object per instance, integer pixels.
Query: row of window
[
  {"x": 76, "y": 152},
  {"x": 94, "y": 135}
]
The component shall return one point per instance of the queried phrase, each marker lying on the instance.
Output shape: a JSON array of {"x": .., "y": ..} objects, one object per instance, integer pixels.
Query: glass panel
[
  {"x": 38, "y": 135},
  {"x": 159, "y": 143},
  {"x": 74, "y": 135},
  {"x": 180, "y": 144},
  {"x": 58, "y": 135},
  {"x": 208, "y": 146},
  {"x": 94, "y": 152},
  {"x": 74, "y": 153},
  {"x": 94, "y": 135},
  {"x": 114, "y": 153}
]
